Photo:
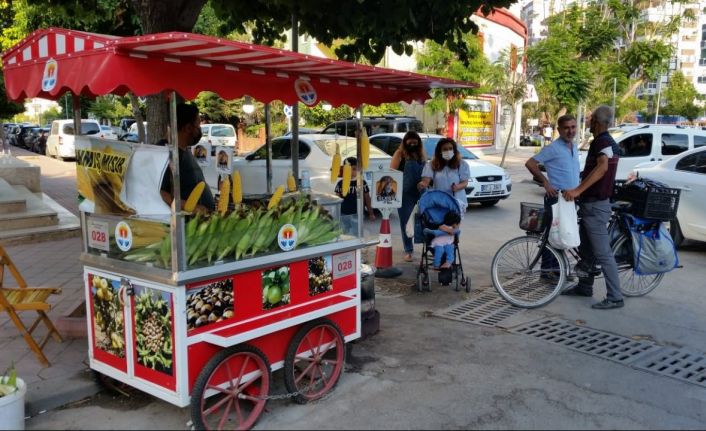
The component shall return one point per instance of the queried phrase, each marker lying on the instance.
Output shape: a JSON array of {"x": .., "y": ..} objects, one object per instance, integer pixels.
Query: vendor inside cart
[{"x": 190, "y": 173}]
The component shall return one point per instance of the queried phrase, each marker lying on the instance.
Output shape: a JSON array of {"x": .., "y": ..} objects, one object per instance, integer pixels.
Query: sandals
[{"x": 408, "y": 257}]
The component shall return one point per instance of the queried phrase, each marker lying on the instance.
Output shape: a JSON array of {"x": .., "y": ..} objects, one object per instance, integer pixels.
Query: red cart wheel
[
  {"x": 314, "y": 360},
  {"x": 230, "y": 392}
]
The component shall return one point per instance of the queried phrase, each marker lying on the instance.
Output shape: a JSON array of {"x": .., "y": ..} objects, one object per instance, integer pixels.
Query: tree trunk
[
  {"x": 158, "y": 16},
  {"x": 631, "y": 90},
  {"x": 509, "y": 136},
  {"x": 138, "y": 117}
]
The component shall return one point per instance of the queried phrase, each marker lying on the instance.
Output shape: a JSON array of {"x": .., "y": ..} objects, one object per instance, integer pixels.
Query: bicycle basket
[
  {"x": 531, "y": 217},
  {"x": 650, "y": 199}
]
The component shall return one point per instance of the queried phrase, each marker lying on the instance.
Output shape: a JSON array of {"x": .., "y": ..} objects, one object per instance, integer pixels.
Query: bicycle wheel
[
  {"x": 632, "y": 284},
  {"x": 521, "y": 285}
]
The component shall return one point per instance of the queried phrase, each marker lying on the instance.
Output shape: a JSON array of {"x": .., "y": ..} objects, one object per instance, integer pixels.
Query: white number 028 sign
[{"x": 343, "y": 264}]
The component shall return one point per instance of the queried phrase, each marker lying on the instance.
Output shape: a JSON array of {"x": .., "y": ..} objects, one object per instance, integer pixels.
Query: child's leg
[
  {"x": 449, "y": 252},
  {"x": 438, "y": 252}
]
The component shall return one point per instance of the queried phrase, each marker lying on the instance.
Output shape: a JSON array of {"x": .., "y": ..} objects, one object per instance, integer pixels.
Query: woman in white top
[{"x": 447, "y": 172}]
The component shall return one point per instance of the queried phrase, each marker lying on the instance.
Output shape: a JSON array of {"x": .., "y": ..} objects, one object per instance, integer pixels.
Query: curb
[{"x": 46, "y": 395}]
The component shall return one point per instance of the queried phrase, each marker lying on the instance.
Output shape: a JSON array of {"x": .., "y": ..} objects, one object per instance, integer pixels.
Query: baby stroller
[{"x": 433, "y": 206}]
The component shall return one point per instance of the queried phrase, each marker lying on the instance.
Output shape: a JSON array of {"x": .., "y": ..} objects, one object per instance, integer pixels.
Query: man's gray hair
[{"x": 603, "y": 115}]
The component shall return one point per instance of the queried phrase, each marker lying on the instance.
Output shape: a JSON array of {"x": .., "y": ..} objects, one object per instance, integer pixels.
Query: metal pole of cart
[
  {"x": 359, "y": 175},
  {"x": 177, "y": 232},
  {"x": 76, "y": 106},
  {"x": 268, "y": 149},
  {"x": 295, "y": 107}
]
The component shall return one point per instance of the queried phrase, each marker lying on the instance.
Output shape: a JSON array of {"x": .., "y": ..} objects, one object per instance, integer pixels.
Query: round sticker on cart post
[
  {"x": 123, "y": 236},
  {"x": 305, "y": 91},
  {"x": 287, "y": 237},
  {"x": 51, "y": 71}
]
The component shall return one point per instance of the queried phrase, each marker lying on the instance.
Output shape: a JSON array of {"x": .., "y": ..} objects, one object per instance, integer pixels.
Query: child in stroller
[
  {"x": 444, "y": 238},
  {"x": 439, "y": 217}
]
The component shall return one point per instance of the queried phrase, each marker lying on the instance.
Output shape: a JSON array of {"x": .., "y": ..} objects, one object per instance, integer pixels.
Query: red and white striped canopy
[{"x": 52, "y": 61}]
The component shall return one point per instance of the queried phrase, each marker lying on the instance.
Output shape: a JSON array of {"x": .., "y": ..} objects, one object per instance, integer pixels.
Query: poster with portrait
[
  {"x": 224, "y": 160},
  {"x": 202, "y": 153},
  {"x": 387, "y": 189}
]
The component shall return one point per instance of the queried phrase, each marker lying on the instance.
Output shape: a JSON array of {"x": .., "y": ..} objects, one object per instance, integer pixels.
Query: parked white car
[
  {"x": 642, "y": 143},
  {"x": 219, "y": 134},
  {"x": 61, "y": 140},
  {"x": 488, "y": 184},
  {"x": 315, "y": 154},
  {"x": 107, "y": 132},
  {"x": 686, "y": 171}
]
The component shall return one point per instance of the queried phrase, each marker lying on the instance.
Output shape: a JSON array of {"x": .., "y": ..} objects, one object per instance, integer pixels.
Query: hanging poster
[
  {"x": 202, "y": 154},
  {"x": 224, "y": 160},
  {"x": 387, "y": 189}
]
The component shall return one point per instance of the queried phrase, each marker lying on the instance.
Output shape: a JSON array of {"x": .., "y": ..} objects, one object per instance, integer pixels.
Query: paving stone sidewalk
[{"x": 49, "y": 264}]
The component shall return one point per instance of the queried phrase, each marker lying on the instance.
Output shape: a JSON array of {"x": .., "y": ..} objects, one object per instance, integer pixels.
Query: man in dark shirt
[
  {"x": 190, "y": 173},
  {"x": 593, "y": 194},
  {"x": 349, "y": 206}
]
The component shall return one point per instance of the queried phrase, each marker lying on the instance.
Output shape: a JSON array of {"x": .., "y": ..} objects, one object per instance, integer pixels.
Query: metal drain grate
[
  {"x": 682, "y": 364},
  {"x": 591, "y": 341},
  {"x": 486, "y": 309}
]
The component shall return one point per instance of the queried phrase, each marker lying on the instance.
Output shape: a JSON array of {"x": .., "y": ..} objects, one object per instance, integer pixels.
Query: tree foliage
[{"x": 681, "y": 95}]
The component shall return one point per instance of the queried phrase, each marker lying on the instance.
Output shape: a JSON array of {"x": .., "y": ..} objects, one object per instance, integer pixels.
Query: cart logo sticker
[
  {"x": 305, "y": 91},
  {"x": 287, "y": 237},
  {"x": 343, "y": 264},
  {"x": 51, "y": 71},
  {"x": 123, "y": 236}
]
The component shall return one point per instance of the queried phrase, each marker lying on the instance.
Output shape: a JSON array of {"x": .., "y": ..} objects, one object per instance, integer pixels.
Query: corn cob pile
[{"x": 245, "y": 232}]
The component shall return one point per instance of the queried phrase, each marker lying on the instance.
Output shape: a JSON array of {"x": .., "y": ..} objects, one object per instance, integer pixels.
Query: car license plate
[{"x": 490, "y": 187}]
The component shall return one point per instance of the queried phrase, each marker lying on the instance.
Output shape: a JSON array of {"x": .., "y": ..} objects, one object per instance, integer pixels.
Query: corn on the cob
[
  {"x": 335, "y": 165},
  {"x": 237, "y": 188},
  {"x": 346, "y": 183},
  {"x": 291, "y": 184},
  {"x": 190, "y": 204},
  {"x": 276, "y": 196},
  {"x": 224, "y": 197},
  {"x": 364, "y": 149}
]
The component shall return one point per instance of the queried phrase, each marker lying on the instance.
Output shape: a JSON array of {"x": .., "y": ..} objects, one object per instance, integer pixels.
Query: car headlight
[{"x": 507, "y": 177}]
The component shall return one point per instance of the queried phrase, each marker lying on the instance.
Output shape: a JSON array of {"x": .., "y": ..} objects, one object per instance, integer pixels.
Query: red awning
[{"x": 52, "y": 61}]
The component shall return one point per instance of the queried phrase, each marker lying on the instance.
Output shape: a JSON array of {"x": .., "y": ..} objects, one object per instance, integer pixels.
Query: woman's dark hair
[
  {"x": 413, "y": 153},
  {"x": 451, "y": 218},
  {"x": 438, "y": 162}
]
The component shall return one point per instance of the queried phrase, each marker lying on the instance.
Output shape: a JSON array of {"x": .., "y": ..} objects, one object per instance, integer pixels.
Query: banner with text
[{"x": 476, "y": 122}]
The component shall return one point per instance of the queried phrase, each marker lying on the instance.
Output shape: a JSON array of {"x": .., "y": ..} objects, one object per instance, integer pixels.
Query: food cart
[{"x": 200, "y": 309}]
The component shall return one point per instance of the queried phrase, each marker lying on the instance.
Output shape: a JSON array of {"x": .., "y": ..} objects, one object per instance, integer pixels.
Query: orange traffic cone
[{"x": 383, "y": 251}]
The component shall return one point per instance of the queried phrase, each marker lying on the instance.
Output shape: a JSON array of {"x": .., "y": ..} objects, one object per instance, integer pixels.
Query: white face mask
[{"x": 447, "y": 155}]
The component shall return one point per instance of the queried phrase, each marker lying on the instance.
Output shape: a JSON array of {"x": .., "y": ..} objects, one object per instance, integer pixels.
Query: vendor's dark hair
[
  {"x": 186, "y": 114},
  {"x": 352, "y": 161},
  {"x": 451, "y": 218}
]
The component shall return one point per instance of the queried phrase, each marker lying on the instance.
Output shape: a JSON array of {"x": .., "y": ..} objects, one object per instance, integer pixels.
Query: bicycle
[{"x": 518, "y": 277}]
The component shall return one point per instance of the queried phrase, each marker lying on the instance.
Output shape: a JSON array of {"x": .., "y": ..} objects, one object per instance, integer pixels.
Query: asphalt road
[{"x": 421, "y": 371}]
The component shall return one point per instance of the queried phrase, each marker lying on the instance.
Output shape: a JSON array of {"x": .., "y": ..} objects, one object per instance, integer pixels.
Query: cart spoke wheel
[
  {"x": 231, "y": 390},
  {"x": 314, "y": 361}
]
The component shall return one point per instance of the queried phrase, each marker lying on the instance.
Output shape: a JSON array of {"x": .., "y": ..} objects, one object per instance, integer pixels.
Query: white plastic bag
[
  {"x": 564, "y": 232},
  {"x": 409, "y": 227}
]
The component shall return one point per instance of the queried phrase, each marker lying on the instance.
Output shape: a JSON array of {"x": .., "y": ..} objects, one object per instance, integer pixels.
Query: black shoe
[
  {"x": 584, "y": 270},
  {"x": 576, "y": 291},
  {"x": 607, "y": 304}
]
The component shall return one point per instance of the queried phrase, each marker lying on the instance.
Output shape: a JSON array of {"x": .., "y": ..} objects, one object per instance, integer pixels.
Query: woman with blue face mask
[{"x": 447, "y": 172}]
